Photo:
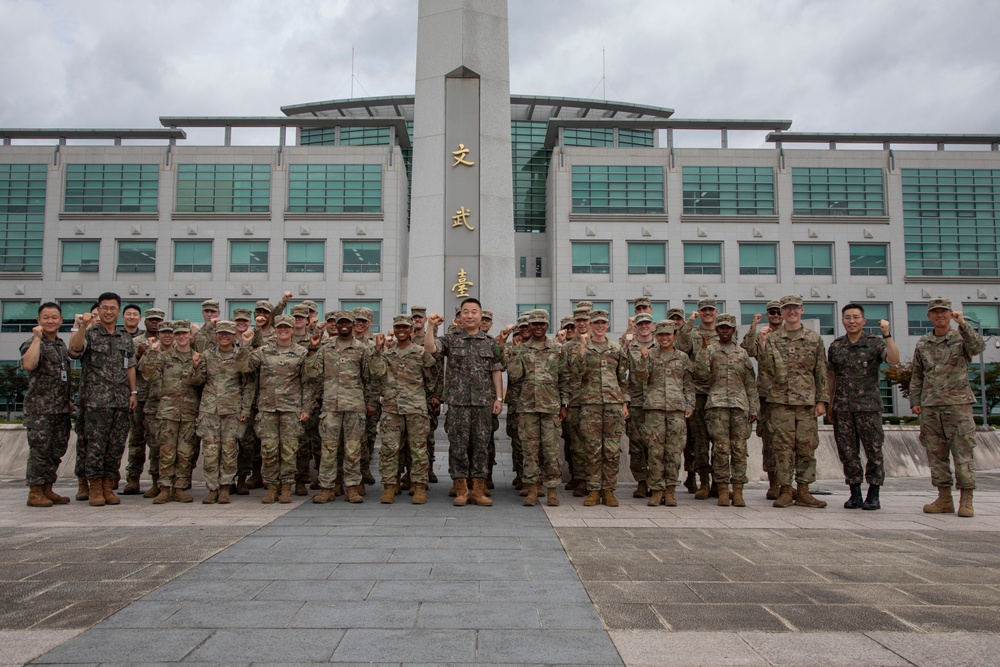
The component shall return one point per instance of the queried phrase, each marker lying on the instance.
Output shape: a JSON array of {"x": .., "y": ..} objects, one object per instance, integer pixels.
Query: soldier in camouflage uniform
[
  {"x": 485, "y": 325},
  {"x": 47, "y": 405},
  {"x": 248, "y": 462},
  {"x": 403, "y": 371},
  {"x": 571, "y": 424},
  {"x": 226, "y": 401},
  {"x": 178, "y": 412},
  {"x": 941, "y": 396},
  {"x": 513, "y": 394},
  {"x": 341, "y": 366},
  {"x": 419, "y": 315},
  {"x": 108, "y": 394},
  {"x": 165, "y": 338},
  {"x": 137, "y": 431},
  {"x": 602, "y": 367},
  {"x": 203, "y": 337},
  {"x": 731, "y": 407},
  {"x": 667, "y": 390},
  {"x": 697, "y": 451},
  {"x": 638, "y": 447},
  {"x": 751, "y": 343},
  {"x": 80, "y": 421},
  {"x": 362, "y": 330},
  {"x": 474, "y": 393},
  {"x": 856, "y": 408},
  {"x": 284, "y": 398},
  {"x": 538, "y": 369},
  {"x": 796, "y": 359},
  {"x": 310, "y": 444}
]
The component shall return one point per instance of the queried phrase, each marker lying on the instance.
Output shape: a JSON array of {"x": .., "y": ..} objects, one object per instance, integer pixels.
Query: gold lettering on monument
[
  {"x": 460, "y": 156},
  {"x": 461, "y": 217}
]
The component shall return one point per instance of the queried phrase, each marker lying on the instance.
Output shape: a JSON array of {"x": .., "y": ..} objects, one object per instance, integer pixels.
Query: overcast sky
[{"x": 835, "y": 65}]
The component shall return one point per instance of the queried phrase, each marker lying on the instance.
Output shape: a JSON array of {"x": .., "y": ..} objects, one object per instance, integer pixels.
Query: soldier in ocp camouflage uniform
[
  {"x": 667, "y": 388},
  {"x": 310, "y": 444},
  {"x": 697, "y": 451},
  {"x": 942, "y": 397},
  {"x": 419, "y": 315},
  {"x": 248, "y": 460},
  {"x": 165, "y": 339},
  {"x": 513, "y": 395},
  {"x": 751, "y": 343},
  {"x": 363, "y": 318},
  {"x": 571, "y": 424},
  {"x": 731, "y": 407},
  {"x": 137, "y": 430},
  {"x": 205, "y": 336},
  {"x": 638, "y": 447}
]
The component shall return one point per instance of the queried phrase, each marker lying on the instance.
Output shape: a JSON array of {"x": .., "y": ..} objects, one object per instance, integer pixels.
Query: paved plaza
[{"x": 376, "y": 584}]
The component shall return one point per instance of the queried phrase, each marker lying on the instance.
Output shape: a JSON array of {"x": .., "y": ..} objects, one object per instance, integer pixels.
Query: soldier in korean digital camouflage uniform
[
  {"x": 731, "y": 407},
  {"x": 638, "y": 447},
  {"x": 751, "y": 343},
  {"x": 796, "y": 359},
  {"x": 941, "y": 396},
  {"x": 474, "y": 393},
  {"x": 856, "y": 402},
  {"x": 47, "y": 405},
  {"x": 108, "y": 394},
  {"x": 697, "y": 451},
  {"x": 136, "y": 452},
  {"x": 667, "y": 390},
  {"x": 404, "y": 371},
  {"x": 284, "y": 398},
  {"x": 226, "y": 401}
]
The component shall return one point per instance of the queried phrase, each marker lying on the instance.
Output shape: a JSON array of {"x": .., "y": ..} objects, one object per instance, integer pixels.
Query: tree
[
  {"x": 900, "y": 375},
  {"x": 992, "y": 386},
  {"x": 13, "y": 386}
]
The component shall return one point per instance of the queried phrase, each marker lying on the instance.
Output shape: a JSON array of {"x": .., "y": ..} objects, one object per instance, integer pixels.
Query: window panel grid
[
  {"x": 306, "y": 257},
  {"x": 703, "y": 258},
  {"x": 917, "y": 322},
  {"x": 81, "y": 256},
  {"x": 112, "y": 188},
  {"x": 838, "y": 191},
  {"x": 22, "y": 216},
  {"x": 224, "y": 188},
  {"x": 335, "y": 188},
  {"x": 813, "y": 259},
  {"x": 869, "y": 259},
  {"x": 248, "y": 256},
  {"x": 758, "y": 259},
  {"x": 136, "y": 256},
  {"x": 193, "y": 256},
  {"x": 362, "y": 257},
  {"x": 617, "y": 189},
  {"x": 375, "y": 306},
  {"x": 728, "y": 190},
  {"x": 591, "y": 258},
  {"x": 647, "y": 258},
  {"x": 530, "y": 164},
  {"x": 18, "y": 316}
]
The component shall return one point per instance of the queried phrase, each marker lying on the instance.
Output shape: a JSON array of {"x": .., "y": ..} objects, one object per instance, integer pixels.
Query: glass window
[
  {"x": 873, "y": 313},
  {"x": 917, "y": 322},
  {"x": 364, "y": 136},
  {"x": 81, "y": 256},
  {"x": 824, "y": 312},
  {"x": 869, "y": 259},
  {"x": 362, "y": 257},
  {"x": 193, "y": 256},
  {"x": 376, "y": 307},
  {"x": 750, "y": 308},
  {"x": 759, "y": 259},
  {"x": 306, "y": 257},
  {"x": 729, "y": 190},
  {"x": 186, "y": 310},
  {"x": 70, "y": 309},
  {"x": 987, "y": 314},
  {"x": 335, "y": 188},
  {"x": 635, "y": 138},
  {"x": 837, "y": 191},
  {"x": 19, "y": 316},
  {"x": 530, "y": 162},
  {"x": 112, "y": 188},
  {"x": 248, "y": 256},
  {"x": 703, "y": 258},
  {"x": 660, "y": 309},
  {"x": 22, "y": 216},
  {"x": 617, "y": 189},
  {"x": 224, "y": 188},
  {"x": 136, "y": 256},
  {"x": 647, "y": 258},
  {"x": 591, "y": 257},
  {"x": 813, "y": 259},
  {"x": 585, "y": 136}
]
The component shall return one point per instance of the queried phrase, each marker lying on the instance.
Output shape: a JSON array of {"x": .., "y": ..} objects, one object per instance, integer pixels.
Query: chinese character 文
[
  {"x": 461, "y": 217},
  {"x": 462, "y": 286},
  {"x": 460, "y": 155}
]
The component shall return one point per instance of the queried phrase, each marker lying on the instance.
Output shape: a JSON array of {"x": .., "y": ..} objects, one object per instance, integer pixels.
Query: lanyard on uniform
[{"x": 62, "y": 370}]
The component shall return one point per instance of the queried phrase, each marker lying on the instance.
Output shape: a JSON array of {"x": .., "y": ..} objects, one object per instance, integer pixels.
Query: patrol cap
[
  {"x": 225, "y": 326},
  {"x": 939, "y": 302},
  {"x": 581, "y": 313},
  {"x": 642, "y": 301},
  {"x": 643, "y": 317},
  {"x": 300, "y": 310},
  {"x": 402, "y": 321},
  {"x": 539, "y": 316},
  {"x": 166, "y": 326},
  {"x": 773, "y": 303},
  {"x": 311, "y": 305},
  {"x": 362, "y": 313},
  {"x": 566, "y": 321},
  {"x": 599, "y": 316},
  {"x": 488, "y": 315},
  {"x": 675, "y": 312},
  {"x": 707, "y": 303},
  {"x": 589, "y": 305},
  {"x": 182, "y": 326},
  {"x": 791, "y": 300},
  {"x": 284, "y": 321},
  {"x": 664, "y": 326},
  {"x": 522, "y": 321},
  {"x": 338, "y": 315},
  {"x": 264, "y": 305},
  {"x": 242, "y": 314},
  {"x": 726, "y": 320},
  {"x": 418, "y": 311},
  {"x": 154, "y": 314},
  {"x": 210, "y": 304},
  {"x": 458, "y": 310}
]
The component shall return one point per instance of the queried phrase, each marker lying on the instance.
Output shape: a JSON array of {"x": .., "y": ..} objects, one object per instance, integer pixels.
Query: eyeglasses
[{"x": 774, "y": 311}]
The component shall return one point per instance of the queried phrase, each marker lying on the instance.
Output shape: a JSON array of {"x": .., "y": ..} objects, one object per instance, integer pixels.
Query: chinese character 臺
[{"x": 462, "y": 286}]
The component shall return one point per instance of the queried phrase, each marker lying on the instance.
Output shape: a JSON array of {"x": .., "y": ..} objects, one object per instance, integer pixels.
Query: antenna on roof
[{"x": 604, "y": 83}]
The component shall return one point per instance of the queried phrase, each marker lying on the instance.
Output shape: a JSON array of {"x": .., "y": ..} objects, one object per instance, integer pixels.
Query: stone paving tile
[
  {"x": 872, "y": 594},
  {"x": 837, "y": 618},
  {"x": 418, "y": 645},
  {"x": 350, "y": 614},
  {"x": 719, "y": 617},
  {"x": 949, "y": 619},
  {"x": 627, "y": 616},
  {"x": 473, "y": 615},
  {"x": 261, "y": 644},
  {"x": 99, "y": 643},
  {"x": 246, "y": 614},
  {"x": 649, "y": 648},
  {"x": 383, "y": 571},
  {"x": 958, "y": 649},
  {"x": 563, "y": 647},
  {"x": 833, "y": 649},
  {"x": 345, "y": 589},
  {"x": 342, "y": 555}
]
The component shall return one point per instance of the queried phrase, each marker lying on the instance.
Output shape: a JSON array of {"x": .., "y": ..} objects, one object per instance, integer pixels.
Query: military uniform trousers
[
  {"x": 48, "y": 438},
  {"x": 948, "y": 432},
  {"x": 220, "y": 446},
  {"x": 136, "y": 442},
  {"x": 638, "y": 447},
  {"x": 279, "y": 433},
  {"x": 794, "y": 438},
  {"x": 80, "y": 426},
  {"x": 729, "y": 430},
  {"x": 397, "y": 429},
  {"x": 601, "y": 427},
  {"x": 177, "y": 439},
  {"x": 249, "y": 448},
  {"x": 149, "y": 429},
  {"x": 539, "y": 435},
  {"x": 766, "y": 449},
  {"x": 696, "y": 450},
  {"x": 516, "y": 450},
  {"x": 371, "y": 432},
  {"x": 469, "y": 428},
  {"x": 574, "y": 442},
  {"x": 666, "y": 433},
  {"x": 310, "y": 448},
  {"x": 853, "y": 430},
  {"x": 106, "y": 431},
  {"x": 343, "y": 435},
  {"x": 405, "y": 462}
]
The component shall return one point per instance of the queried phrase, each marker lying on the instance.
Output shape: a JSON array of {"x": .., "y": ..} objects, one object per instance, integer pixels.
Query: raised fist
[
  {"x": 695, "y": 315},
  {"x": 37, "y": 331},
  {"x": 435, "y": 320},
  {"x": 195, "y": 328},
  {"x": 644, "y": 352},
  {"x": 315, "y": 339},
  {"x": 379, "y": 342},
  {"x": 86, "y": 320},
  {"x": 261, "y": 320},
  {"x": 247, "y": 336},
  {"x": 884, "y": 326},
  {"x": 287, "y": 295},
  {"x": 154, "y": 345},
  {"x": 757, "y": 317},
  {"x": 195, "y": 359}
]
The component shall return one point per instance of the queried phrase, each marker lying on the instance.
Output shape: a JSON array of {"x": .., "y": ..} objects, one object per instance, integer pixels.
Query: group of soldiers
[{"x": 264, "y": 397}]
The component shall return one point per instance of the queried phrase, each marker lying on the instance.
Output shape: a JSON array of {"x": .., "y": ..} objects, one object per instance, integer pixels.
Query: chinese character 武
[{"x": 461, "y": 217}]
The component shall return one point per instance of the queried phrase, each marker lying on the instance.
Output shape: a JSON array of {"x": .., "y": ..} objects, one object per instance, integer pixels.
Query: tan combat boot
[
  {"x": 224, "y": 495},
  {"x": 211, "y": 498},
  {"x": 163, "y": 496},
  {"x": 738, "y": 496},
  {"x": 285, "y": 494},
  {"x": 271, "y": 496},
  {"x": 593, "y": 497},
  {"x": 772, "y": 487},
  {"x": 131, "y": 486},
  {"x": 656, "y": 499},
  {"x": 36, "y": 498},
  {"x": 300, "y": 489},
  {"x": 419, "y": 493},
  {"x": 670, "y": 497},
  {"x": 479, "y": 495},
  {"x": 82, "y": 489},
  {"x": 354, "y": 494},
  {"x": 53, "y": 496},
  {"x": 388, "y": 494},
  {"x": 640, "y": 490},
  {"x": 110, "y": 484},
  {"x": 723, "y": 495},
  {"x": 461, "y": 489},
  {"x": 805, "y": 499},
  {"x": 531, "y": 495},
  {"x": 552, "y": 497},
  {"x": 179, "y": 495},
  {"x": 324, "y": 496},
  {"x": 704, "y": 486},
  {"x": 943, "y": 505},
  {"x": 154, "y": 490},
  {"x": 965, "y": 503},
  {"x": 608, "y": 498},
  {"x": 784, "y": 498},
  {"x": 96, "y": 492}
]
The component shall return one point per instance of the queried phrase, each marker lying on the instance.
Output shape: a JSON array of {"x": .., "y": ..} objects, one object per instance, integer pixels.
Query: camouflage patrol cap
[
  {"x": 522, "y": 321},
  {"x": 676, "y": 312},
  {"x": 643, "y": 317},
  {"x": 538, "y": 316},
  {"x": 402, "y": 321},
  {"x": 665, "y": 326},
  {"x": 791, "y": 300},
  {"x": 362, "y": 313},
  {"x": 242, "y": 314},
  {"x": 488, "y": 315},
  {"x": 773, "y": 303},
  {"x": 311, "y": 305},
  {"x": 418, "y": 311},
  {"x": 337, "y": 315},
  {"x": 589, "y": 305},
  {"x": 707, "y": 303},
  {"x": 264, "y": 305},
  {"x": 937, "y": 303},
  {"x": 458, "y": 311},
  {"x": 284, "y": 321},
  {"x": 581, "y": 313},
  {"x": 642, "y": 301},
  {"x": 726, "y": 320},
  {"x": 166, "y": 326},
  {"x": 225, "y": 327},
  {"x": 154, "y": 314},
  {"x": 565, "y": 322},
  {"x": 300, "y": 310},
  {"x": 182, "y": 326},
  {"x": 599, "y": 316},
  {"x": 210, "y": 304}
]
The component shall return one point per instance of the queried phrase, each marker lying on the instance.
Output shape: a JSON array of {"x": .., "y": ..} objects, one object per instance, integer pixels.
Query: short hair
[
  {"x": 110, "y": 296},
  {"x": 471, "y": 299},
  {"x": 49, "y": 304},
  {"x": 132, "y": 306},
  {"x": 853, "y": 306}
]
